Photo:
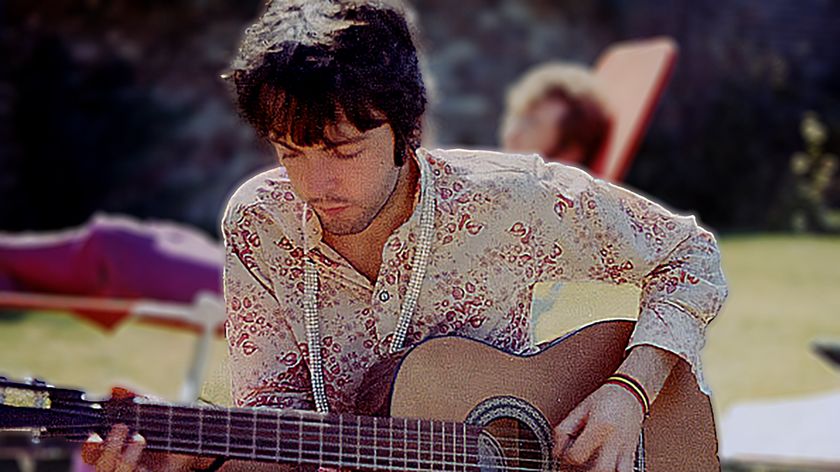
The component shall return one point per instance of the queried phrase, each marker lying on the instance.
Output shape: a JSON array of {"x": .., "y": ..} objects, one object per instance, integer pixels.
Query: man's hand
[
  {"x": 601, "y": 432},
  {"x": 117, "y": 453},
  {"x": 121, "y": 453}
]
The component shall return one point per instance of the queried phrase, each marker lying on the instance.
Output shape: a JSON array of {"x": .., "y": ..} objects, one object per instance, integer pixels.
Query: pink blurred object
[
  {"x": 633, "y": 76},
  {"x": 113, "y": 257}
]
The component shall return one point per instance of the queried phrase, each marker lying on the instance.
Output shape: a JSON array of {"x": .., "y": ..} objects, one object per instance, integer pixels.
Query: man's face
[
  {"x": 537, "y": 129},
  {"x": 346, "y": 182}
]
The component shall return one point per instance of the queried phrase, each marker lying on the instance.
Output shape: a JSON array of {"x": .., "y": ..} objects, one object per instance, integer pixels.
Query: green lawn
[{"x": 785, "y": 291}]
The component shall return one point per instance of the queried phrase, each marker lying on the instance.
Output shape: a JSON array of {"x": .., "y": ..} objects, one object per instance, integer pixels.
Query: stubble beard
[{"x": 346, "y": 226}]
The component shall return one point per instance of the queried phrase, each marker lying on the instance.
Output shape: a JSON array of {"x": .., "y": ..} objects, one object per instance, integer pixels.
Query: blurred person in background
[
  {"x": 556, "y": 110},
  {"x": 357, "y": 206}
]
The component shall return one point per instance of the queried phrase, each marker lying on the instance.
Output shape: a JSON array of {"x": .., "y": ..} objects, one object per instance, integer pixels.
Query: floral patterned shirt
[{"x": 502, "y": 224}]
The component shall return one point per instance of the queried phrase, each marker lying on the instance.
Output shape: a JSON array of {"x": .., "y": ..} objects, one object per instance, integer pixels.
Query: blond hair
[{"x": 588, "y": 121}]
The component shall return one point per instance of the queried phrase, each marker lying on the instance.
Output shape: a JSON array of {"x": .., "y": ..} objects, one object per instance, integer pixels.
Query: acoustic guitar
[{"x": 449, "y": 403}]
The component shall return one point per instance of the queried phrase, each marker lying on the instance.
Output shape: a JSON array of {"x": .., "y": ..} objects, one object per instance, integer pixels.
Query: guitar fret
[
  {"x": 429, "y": 448},
  {"x": 446, "y": 457},
  {"x": 442, "y": 460},
  {"x": 374, "y": 443},
  {"x": 454, "y": 448},
  {"x": 405, "y": 443},
  {"x": 464, "y": 426},
  {"x": 254, "y": 435},
  {"x": 200, "y": 429},
  {"x": 444, "y": 451},
  {"x": 169, "y": 426},
  {"x": 300, "y": 437},
  {"x": 227, "y": 436},
  {"x": 432, "y": 441},
  {"x": 340, "y": 437},
  {"x": 320, "y": 443},
  {"x": 391, "y": 441},
  {"x": 419, "y": 447},
  {"x": 456, "y": 459},
  {"x": 277, "y": 435},
  {"x": 358, "y": 443},
  {"x": 443, "y": 444}
]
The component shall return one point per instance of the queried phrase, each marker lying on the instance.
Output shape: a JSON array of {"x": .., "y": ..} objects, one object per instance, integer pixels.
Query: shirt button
[{"x": 384, "y": 296}]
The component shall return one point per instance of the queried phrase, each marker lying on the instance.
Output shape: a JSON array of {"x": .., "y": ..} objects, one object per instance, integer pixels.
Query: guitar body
[{"x": 458, "y": 379}]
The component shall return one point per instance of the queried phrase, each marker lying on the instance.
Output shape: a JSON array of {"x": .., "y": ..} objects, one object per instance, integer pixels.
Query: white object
[{"x": 801, "y": 430}]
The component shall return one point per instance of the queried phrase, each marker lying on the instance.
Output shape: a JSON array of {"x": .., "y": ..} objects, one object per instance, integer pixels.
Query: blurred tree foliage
[{"x": 803, "y": 206}]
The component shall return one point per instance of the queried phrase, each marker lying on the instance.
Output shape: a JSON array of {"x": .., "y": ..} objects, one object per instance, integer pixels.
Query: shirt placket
[{"x": 387, "y": 297}]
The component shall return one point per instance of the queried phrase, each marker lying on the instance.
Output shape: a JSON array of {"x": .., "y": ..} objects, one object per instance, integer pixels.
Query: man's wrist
[
  {"x": 650, "y": 367},
  {"x": 634, "y": 388}
]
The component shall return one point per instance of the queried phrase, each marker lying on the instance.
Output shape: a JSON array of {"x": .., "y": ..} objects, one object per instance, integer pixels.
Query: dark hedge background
[{"x": 116, "y": 106}]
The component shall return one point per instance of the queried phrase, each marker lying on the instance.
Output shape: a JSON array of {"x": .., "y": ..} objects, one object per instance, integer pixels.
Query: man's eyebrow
[
  {"x": 337, "y": 142},
  {"x": 345, "y": 141}
]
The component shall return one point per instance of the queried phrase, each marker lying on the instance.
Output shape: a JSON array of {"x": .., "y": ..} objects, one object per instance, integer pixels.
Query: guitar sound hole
[
  {"x": 515, "y": 436},
  {"x": 507, "y": 444}
]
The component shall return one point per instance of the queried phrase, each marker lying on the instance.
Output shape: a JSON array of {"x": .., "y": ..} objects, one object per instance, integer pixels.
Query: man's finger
[
  {"x": 112, "y": 448},
  {"x": 584, "y": 447},
  {"x": 625, "y": 461},
  {"x": 131, "y": 456},
  {"x": 92, "y": 449},
  {"x": 568, "y": 429},
  {"x": 607, "y": 460}
]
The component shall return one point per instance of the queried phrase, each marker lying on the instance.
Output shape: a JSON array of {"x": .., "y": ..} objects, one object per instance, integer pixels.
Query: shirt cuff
[{"x": 669, "y": 327}]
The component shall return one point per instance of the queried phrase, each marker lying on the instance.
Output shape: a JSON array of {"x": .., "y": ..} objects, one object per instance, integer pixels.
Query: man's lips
[{"x": 331, "y": 211}]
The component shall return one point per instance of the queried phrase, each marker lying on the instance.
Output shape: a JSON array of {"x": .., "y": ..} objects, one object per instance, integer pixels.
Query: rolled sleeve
[
  {"x": 267, "y": 364},
  {"x": 680, "y": 298},
  {"x": 612, "y": 235}
]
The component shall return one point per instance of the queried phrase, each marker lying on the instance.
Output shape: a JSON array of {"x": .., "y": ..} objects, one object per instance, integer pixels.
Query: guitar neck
[{"x": 302, "y": 437}]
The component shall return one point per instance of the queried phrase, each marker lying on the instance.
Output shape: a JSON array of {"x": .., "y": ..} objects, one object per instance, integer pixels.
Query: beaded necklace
[{"x": 419, "y": 263}]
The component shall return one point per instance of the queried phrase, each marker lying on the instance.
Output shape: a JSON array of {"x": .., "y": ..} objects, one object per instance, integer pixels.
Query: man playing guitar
[{"x": 361, "y": 243}]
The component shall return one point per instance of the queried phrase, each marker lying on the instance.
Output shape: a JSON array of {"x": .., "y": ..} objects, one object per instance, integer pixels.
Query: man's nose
[{"x": 324, "y": 177}]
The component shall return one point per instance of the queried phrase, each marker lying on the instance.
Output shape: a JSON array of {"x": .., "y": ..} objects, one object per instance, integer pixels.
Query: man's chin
[{"x": 343, "y": 228}]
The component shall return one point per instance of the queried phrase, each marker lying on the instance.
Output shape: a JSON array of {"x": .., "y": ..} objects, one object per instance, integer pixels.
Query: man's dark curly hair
[{"x": 305, "y": 63}]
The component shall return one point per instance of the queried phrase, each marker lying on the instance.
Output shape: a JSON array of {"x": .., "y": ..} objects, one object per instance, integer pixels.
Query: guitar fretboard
[{"x": 334, "y": 440}]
